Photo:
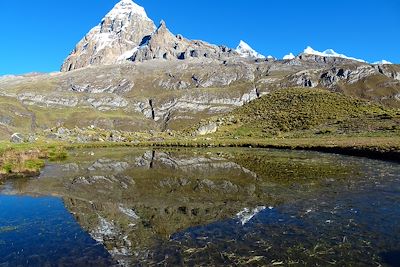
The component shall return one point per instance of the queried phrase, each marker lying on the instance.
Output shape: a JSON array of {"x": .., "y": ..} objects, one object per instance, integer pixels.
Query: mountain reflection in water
[{"x": 228, "y": 206}]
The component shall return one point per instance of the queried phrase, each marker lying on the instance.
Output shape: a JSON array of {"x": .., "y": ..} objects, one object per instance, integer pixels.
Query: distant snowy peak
[
  {"x": 126, "y": 8},
  {"x": 246, "y": 51},
  {"x": 289, "y": 56},
  {"x": 329, "y": 53},
  {"x": 382, "y": 62}
]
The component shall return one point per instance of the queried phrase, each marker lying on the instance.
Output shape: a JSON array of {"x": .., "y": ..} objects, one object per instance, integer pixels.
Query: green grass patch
[
  {"x": 7, "y": 168},
  {"x": 298, "y": 113},
  {"x": 57, "y": 153},
  {"x": 34, "y": 164}
]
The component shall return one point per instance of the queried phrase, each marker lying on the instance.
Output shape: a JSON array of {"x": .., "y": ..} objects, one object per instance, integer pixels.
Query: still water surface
[{"x": 203, "y": 207}]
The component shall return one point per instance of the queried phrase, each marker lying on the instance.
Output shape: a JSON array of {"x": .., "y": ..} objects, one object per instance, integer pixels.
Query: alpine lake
[{"x": 203, "y": 207}]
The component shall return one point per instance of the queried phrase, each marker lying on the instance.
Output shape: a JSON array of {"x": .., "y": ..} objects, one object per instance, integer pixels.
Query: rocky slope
[{"x": 126, "y": 74}]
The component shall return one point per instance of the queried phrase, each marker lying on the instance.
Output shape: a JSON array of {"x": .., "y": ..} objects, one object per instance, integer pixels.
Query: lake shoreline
[
  {"x": 382, "y": 148},
  {"x": 385, "y": 155}
]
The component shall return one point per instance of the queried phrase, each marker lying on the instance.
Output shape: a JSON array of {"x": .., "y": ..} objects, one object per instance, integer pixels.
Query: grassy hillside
[
  {"x": 377, "y": 88},
  {"x": 308, "y": 112}
]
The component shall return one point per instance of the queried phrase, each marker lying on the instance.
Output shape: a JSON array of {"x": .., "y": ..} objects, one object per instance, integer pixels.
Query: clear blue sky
[{"x": 37, "y": 35}]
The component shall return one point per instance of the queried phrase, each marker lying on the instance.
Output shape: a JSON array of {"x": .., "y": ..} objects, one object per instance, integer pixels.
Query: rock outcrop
[
  {"x": 17, "y": 138},
  {"x": 207, "y": 129}
]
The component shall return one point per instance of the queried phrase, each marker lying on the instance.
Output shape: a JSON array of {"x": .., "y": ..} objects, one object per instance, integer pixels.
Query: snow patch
[
  {"x": 328, "y": 53},
  {"x": 126, "y": 8},
  {"x": 246, "y": 51},
  {"x": 127, "y": 55},
  {"x": 382, "y": 62},
  {"x": 103, "y": 40},
  {"x": 290, "y": 56}
]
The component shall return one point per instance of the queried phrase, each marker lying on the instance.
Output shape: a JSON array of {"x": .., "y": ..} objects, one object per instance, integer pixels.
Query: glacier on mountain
[
  {"x": 289, "y": 56},
  {"x": 245, "y": 50},
  {"x": 382, "y": 62},
  {"x": 328, "y": 53}
]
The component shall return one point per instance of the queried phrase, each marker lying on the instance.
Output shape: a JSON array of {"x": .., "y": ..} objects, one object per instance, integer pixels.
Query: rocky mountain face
[
  {"x": 126, "y": 33},
  {"x": 120, "y": 31},
  {"x": 162, "y": 44},
  {"x": 131, "y": 76}
]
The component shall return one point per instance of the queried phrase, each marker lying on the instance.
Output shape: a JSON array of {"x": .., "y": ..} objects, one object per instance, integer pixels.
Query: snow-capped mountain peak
[
  {"x": 289, "y": 56},
  {"x": 118, "y": 34},
  {"x": 246, "y": 51},
  {"x": 126, "y": 8},
  {"x": 328, "y": 53},
  {"x": 382, "y": 62}
]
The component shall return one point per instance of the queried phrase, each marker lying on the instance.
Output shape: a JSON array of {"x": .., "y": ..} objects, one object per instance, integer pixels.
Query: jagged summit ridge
[
  {"x": 118, "y": 34},
  {"x": 328, "y": 53},
  {"x": 162, "y": 44},
  {"x": 126, "y": 8}
]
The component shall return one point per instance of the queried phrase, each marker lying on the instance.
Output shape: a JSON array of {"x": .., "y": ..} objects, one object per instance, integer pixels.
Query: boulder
[
  {"x": 6, "y": 120},
  {"x": 17, "y": 138},
  {"x": 207, "y": 129}
]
